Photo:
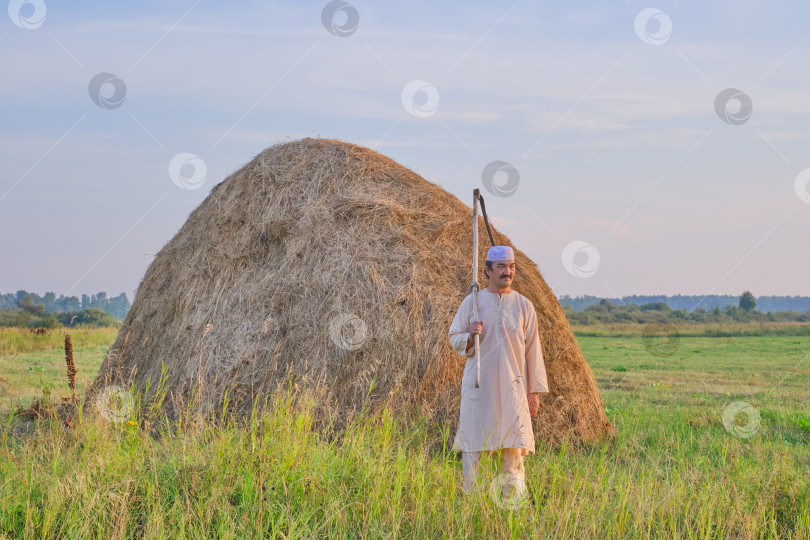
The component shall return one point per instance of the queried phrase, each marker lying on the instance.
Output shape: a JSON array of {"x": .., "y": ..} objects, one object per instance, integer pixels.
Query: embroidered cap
[{"x": 500, "y": 253}]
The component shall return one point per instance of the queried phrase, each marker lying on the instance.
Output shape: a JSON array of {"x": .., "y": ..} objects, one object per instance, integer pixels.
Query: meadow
[{"x": 675, "y": 470}]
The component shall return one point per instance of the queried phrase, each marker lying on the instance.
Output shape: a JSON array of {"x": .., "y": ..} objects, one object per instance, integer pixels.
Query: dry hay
[{"x": 262, "y": 284}]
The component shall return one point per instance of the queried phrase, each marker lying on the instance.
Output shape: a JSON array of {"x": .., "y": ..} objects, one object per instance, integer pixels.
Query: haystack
[{"x": 323, "y": 263}]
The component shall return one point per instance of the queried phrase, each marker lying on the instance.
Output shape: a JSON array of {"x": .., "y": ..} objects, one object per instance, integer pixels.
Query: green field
[
  {"x": 675, "y": 470},
  {"x": 33, "y": 366}
]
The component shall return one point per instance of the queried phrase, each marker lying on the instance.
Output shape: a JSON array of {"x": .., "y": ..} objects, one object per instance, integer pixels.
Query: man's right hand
[{"x": 475, "y": 328}]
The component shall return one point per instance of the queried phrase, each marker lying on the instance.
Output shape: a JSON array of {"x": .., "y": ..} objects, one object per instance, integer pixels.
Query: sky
[{"x": 625, "y": 147}]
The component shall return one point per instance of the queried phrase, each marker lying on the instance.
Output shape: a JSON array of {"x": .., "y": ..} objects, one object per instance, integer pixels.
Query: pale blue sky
[{"x": 616, "y": 140}]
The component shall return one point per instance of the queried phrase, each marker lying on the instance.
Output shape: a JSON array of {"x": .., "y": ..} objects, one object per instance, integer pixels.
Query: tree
[
  {"x": 118, "y": 306},
  {"x": 50, "y": 301},
  {"x": 72, "y": 303},
  {"x": 747, "y": 301},
  {"x": 27, "y": 303},
  {"x": 49, "y": 321},
  {"x": 90, "y": 317}
]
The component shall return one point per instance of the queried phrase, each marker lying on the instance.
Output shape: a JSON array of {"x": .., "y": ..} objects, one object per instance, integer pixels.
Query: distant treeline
[
  {"x": 37, "y": 317},
  {"x": 116, "y": 307},
  {"x": 689, "y": 303},
  {"x": 606, "y": 312}
]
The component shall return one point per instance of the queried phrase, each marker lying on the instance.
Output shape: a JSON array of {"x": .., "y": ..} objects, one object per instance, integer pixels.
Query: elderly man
[{"x": 497, "y": 415}]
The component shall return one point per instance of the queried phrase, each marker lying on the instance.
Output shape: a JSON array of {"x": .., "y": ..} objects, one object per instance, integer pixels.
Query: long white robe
[{"x": 496, "y": 415}]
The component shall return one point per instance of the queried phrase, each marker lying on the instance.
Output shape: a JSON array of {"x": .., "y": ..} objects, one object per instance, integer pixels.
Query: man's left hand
[{"x": 534, "y": 404}]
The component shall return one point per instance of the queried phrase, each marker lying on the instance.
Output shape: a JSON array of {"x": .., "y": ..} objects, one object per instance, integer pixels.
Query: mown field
[
  {"x": 674, "y": 471},
  {"x": 33, "y": 366}
]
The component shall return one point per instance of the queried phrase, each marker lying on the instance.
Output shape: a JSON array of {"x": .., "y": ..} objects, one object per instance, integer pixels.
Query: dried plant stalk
[{"x": 71, "y": 367}]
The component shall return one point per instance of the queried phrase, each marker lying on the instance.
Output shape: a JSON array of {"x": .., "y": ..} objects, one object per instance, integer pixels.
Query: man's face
[{"x": 502, "y": 273}]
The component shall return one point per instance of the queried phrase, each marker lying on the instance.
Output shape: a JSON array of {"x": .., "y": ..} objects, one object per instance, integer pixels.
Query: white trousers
[{"x": 511, "y": 464}]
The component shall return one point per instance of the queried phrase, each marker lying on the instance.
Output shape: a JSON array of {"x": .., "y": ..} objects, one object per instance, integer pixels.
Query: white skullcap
[{"x": 500, "y": 253}]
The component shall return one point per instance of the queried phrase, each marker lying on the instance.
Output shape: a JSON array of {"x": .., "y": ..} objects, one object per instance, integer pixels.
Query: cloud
[
  {"x": 270, "y": 73},
  {"x": 500, "y": 221},
  {"x": 632, "y": 230}
]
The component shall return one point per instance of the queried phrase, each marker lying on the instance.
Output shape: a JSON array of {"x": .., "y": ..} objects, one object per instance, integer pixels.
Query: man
[{"x": 497, "y": 415}]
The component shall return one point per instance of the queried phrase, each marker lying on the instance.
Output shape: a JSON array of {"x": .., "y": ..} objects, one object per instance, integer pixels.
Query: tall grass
[
  {"x": 274, "y": 475},
  {"x": 673, "y": 472}
]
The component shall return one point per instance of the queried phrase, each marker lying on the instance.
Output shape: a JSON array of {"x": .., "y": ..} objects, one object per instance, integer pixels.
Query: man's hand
[
  {"x": 475, "y": 328},
  {"x": 534, "y": 404}
]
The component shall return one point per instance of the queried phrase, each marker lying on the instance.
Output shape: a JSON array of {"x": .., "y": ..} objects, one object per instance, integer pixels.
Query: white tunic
[{"x": 496, "y": 415}]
